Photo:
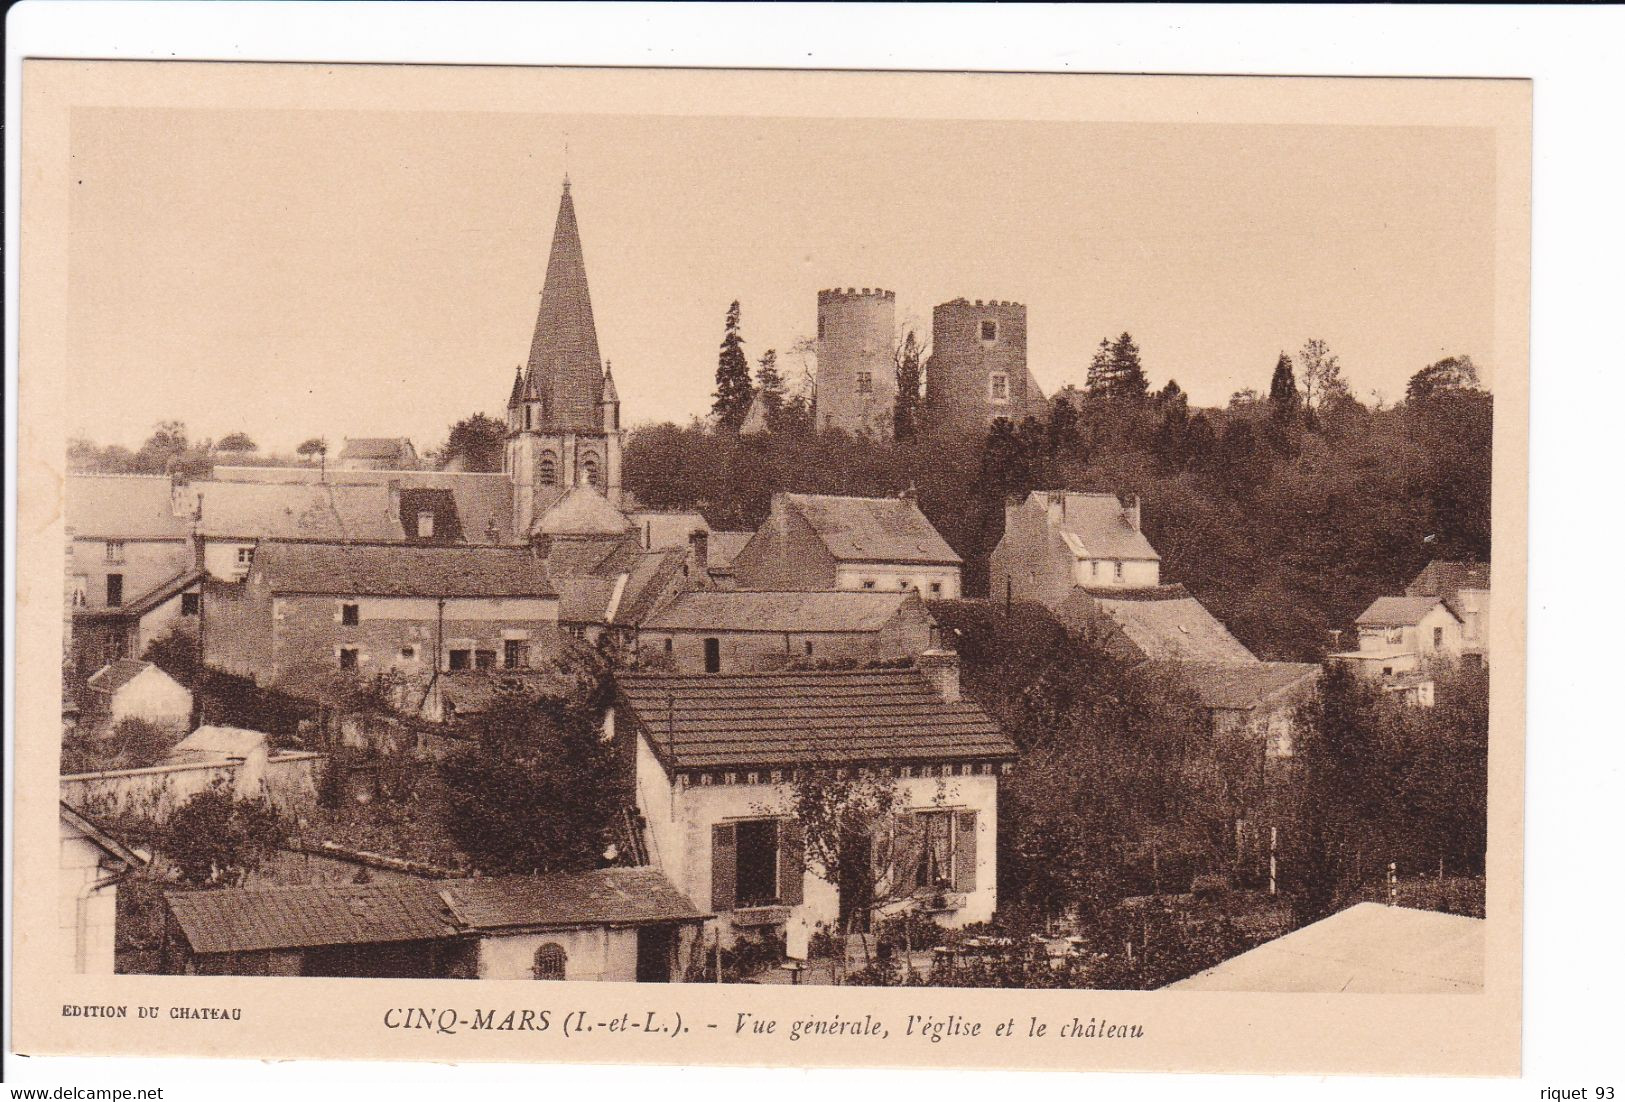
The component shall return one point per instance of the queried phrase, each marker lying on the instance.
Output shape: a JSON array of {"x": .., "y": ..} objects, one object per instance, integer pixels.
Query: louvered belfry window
[{"x": 549, "y": 962}]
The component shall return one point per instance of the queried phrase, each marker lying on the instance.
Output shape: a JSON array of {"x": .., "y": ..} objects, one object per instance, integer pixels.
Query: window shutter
[
  {"x": 724, "y": 867},
  {"x": 792, "y": 861},
  {"x": 965, "y": 852},
  {"x": 908, "y": 842}
]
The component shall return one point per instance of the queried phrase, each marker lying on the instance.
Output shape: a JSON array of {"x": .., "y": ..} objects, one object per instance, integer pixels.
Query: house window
[
  {"x": 115, "y": 590},
  {"x": 1438, "y": 638},
  {"x": 1396, "y": 635},
  {"x": 589, "y": 471},
  {"x": 350, "y": 614},
  {"x": 990, "y": 330},
  {"x": 115, "y": 550},
  {"x": 81, "y": 590},
  {"x": 1117, "y": 570},
  {"x": 425, "y": 525},
  {"x": 999, "y": 387},
  {"x": 936, "y": 589},
  {"x": 549, "y": 962},
  {"x": 758, "y": 863},
  {"x": 515, "y": 654},
  {"x": 667, "y": 646},
  {"x": 868, "y": 583},
  {"x": 409, "y": 652},
  {"x": 485, "y": 660},
  {"x": 460, "y": 659},
  {"x": 713, "y": 656},
  {"x": 866, "y": 382},
  {"x": 807, "y": 647},
  {"x": 947, "y": 857},
  {"x": 547, "y": 467},
  {"x": 349, "y": 658},
  {"x": 1094, "y": 568},
  {"x": 245, "y": 559},
  {"x": 190, "y": 603}
]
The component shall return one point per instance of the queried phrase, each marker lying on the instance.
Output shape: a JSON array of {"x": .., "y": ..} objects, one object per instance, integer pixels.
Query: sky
[{"x": 299, "y": 273}]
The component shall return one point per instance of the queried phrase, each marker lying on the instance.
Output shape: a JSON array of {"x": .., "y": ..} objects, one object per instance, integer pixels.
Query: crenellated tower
[
  {"x": 564, "y": 417},
  {"x": 857, "y": 377}
]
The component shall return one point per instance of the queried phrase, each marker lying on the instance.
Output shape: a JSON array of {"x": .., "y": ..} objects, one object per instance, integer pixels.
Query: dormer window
[{"x": 425, "y": 525}]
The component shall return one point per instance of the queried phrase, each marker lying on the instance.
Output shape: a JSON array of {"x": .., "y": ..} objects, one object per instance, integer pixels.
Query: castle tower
[
  {"x": 857, "y": 379},
  {"x": 563, "y": 412},
  {"x": 978, "y": 367}
]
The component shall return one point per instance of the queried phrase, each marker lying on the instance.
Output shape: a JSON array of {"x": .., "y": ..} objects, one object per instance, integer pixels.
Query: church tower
[{"x": 564, "y": 418}]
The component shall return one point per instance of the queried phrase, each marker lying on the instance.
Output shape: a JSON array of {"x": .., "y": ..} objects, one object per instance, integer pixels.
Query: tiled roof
[
  {"x": 565, "y": 368},
  {"x": 723, "y": 547},
  {"x": 115, "y": 675},
  {"x": 701, "y": 721},
  {"x": 1093, "y": 526},
  {"x": 605, "y": 897},
  {"x": 1398, "y": 611},
  {"x": 650, "y": 576},
  {"x": 484, "y": 501},
  {"x": 585, "y": 600},
  {"x": 401, "y": 570},
  {"x": 760, "y": 610},
  {"x": 237, "y": 920},
  {"x": 1242, "y": 686},
  {"x": 121, "y": 506},
  {"x": 1161, "y": 623},
  {"x": 318, "y": 510},
  {"x": 377, "y": 447},
  {"x": 1446, "y": 579},
  {"x": 872, "y": 529}
]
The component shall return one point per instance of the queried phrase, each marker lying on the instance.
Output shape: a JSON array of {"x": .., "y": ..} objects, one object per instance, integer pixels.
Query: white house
[
  {"x": 1400, "y": 635},
  {"x": 716, "y": 761},
  {"x": 128, "y": 689},
  {"x": 91, "y": 864},
  {"x": 1057, "y": 540}
]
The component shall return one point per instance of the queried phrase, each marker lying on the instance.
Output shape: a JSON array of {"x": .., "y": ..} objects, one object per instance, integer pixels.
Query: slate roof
[
  {"x": 650, "y": 576},
  {"x": 659, "y": 529},
  {"x": 314, "y": 510},
  {"x": 484, "y": 501},
  {"x": 598, "y": 555},
  {"x": 396, "y": 448},
  {"x": 762, "y": 610},
  {"x": 1092, "y": 526},
  {"x": 565, "y": 369},
  {"x": 719, "y": 555},
  {"x": 604, "y": 897},
  {"x": 585, "y": 600},
  {"x": 1161, "y": 623},
  {"x": 121, "y": 506},
  {"x": 238, "y": 920},
  {"x": 872, "y": 529},
  {"x": 1447, "y": 579},
  {"x": 401, "y": 570},
  {"x": 581, "y": 511},
  {"x": 708, "y": 721},
  {"x": 115, "y": 675},
  {"x": 1243, "y": 686},
  {"x": 1399, "y": 611}
]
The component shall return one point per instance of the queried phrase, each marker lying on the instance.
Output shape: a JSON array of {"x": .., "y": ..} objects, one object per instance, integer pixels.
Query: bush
[{"x": 215, "y": 839}]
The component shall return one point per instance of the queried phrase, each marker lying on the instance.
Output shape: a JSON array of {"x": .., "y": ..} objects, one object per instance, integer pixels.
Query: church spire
[{"x": 565, "y": 367}]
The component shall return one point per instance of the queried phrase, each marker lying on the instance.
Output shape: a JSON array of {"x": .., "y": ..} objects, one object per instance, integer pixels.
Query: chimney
[
  {"x": 1132, "y": 513},
  {"x": 941, "y": 669},
  {"x": 699, "y": 546},
  {"x": 910, "y": 495},
  {"x": 1056, "y": 508}
]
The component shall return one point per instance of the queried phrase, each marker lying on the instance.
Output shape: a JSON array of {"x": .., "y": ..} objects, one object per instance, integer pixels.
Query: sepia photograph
[{"x": 544, "y": 526}]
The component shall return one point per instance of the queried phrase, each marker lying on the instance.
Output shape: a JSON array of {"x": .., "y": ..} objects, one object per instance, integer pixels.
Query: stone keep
[
  {"x": 857, "y": 379},
  {"x": 978, "y": 366}
]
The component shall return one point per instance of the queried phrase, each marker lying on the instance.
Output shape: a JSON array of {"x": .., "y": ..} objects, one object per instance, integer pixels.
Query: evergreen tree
[
  {"x": 906, "y": 417},
  {"x": 1099, "y": 382},
  {"x": 1285, "y": 401},
  {"x": 1063, "y": 425},
  {"x": 734, "y": 392},
  {"x": 770, "y": 385},
  {"x": 1127, "y": 378}
]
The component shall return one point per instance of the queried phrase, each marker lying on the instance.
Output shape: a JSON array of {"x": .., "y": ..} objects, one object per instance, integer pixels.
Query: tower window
[
  {"x": 349, "y": 658},
  {"x": 999, "y": 387},
  {"x": 820, "y": 326},
  {"x": 866, "y": 382},
  {"x": 589, "y": 471},
  {"x": 527, "y": 418},
  {"x": 547, "y": 470},
  {"x": 990, "y": 330}
]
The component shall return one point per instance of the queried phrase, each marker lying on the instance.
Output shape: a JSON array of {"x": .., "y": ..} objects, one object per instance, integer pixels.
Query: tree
[
  {"x": 906, "y": 417},
  {"x": 1098, "y": 384},
  {"x": 216, "y": 839},
  {"x": 1063, "y": 425},
  {"x": 1285, "y": 401},
  {"x": 236, "y": 442},
  {"x": 770, "y": 385},
  {"x": 857, "y": 837},
  {"x": 734, "y": 392},
  {"x": 1128, "y": 379},
  {"x": 1323, "y": 380},
  {"x": 316, "y": 445},
  {"x": 534, "y": 788},
  {"x": 476, "y": 440},
  {"x": 1451, "y": 374}
]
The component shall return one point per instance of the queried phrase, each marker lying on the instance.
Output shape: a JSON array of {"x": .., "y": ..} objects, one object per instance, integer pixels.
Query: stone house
[
  {"x": 1257, "y": 700},
  {"x": 131, "y": 689},
  {"x": 616, "y": 924},
  {"x": 1400, "y": 636},
  {"x": 728, "y": 631},
  {"x": 819, "y": 542},
  {"x": 716, "y": 757},
  {"x": 377, "y": 453},
  {"x": 90, "y": 865},
  {"x": 307, "y": 609},
  {"x": 1465, "y": 588},
  {"x": 1058, "y": 540}
]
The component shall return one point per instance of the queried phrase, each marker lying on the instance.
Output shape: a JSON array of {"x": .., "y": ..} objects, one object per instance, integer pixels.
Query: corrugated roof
[
  {"x": 699, "y": 721},
  {"x": 319, "y": 510},
  {"x": 401, "y": 570},
  {"x": 604, "y": 897},
  {"x": 1398, "y": 611},
  {"x": 872, "y": 529},
  {"x": 761, "y": 610},
  {"x": 1164, "y": 623},
  {"x": 1242, "y": 686},
  {"x": 239, "y": 921},
  {"x": 1092, "y": 526},
  {"x": 1367, "y": 949},
  {"x": 115, "y": 675},
  {"x": 121, "y": 506}
]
